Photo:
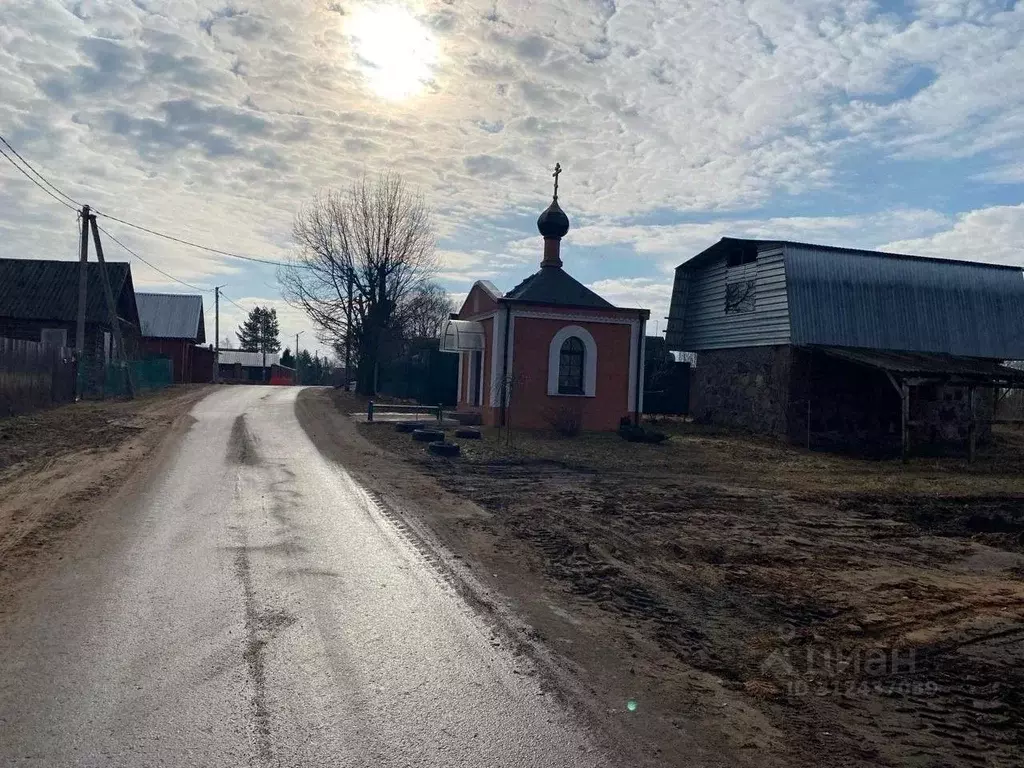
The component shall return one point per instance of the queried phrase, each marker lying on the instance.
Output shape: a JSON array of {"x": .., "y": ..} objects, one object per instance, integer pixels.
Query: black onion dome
[{"x": 553, "y": 222}]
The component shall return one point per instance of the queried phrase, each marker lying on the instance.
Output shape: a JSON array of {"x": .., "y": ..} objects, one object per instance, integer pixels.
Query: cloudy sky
[{"x": 897, "y": 125}]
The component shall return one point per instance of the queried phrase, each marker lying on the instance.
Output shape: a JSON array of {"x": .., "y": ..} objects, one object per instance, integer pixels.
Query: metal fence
[
  {"x": 154, "y": 373},
  {"x": 34, "y": 375}
]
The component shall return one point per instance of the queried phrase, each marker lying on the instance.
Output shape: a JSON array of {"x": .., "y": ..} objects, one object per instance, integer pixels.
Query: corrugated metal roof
[
  {"x": 551, "y": 285},
  {"x": 248, "y": 359},
  {"x": 171, "y": 316},
  {"x": 929, "y": 365},
  {"x": 880, "y": 301},
  {"x": 42, "y": 289}
]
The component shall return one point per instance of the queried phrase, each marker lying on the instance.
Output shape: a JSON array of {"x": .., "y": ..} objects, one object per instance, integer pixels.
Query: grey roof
[
  {"x": 171, "y": 316},
  {"x": 248, "y": 359},
  {"x": 553, "y": 285},
  {"x": 877, "y": 300},
  {"x": 43, "y": 289},
  {"x": 925, "y": 365}
]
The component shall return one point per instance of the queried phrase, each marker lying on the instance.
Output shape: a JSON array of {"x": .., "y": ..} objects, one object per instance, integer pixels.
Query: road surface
[{"x": 252, "y": 606}]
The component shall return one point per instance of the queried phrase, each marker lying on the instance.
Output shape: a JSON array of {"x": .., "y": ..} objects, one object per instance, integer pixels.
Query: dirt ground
[
  {"x": 760, "y": 605},
  {"x": 57, "y": 464}
]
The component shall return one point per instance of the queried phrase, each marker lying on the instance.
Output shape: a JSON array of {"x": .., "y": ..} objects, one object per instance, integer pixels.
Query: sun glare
[{"x": 395, "y": 51}]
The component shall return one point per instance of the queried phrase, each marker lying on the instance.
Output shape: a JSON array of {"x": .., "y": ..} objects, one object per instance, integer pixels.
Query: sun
[{"x": 395, "y": 51}]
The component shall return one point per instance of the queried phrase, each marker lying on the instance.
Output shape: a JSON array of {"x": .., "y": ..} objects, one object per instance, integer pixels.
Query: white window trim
[{"x": 589, "y": 360}]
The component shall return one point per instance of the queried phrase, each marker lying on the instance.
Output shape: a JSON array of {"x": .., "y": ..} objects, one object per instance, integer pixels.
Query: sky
[{"x": 891, "y": 125}]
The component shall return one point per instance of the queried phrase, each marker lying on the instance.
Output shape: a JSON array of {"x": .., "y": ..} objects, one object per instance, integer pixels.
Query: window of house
[
  {"x": 739, "y": 256},
  {"x": 570, "y": 367},
  {"x": 739, "y": 296},
  {"x": 54, "y": 337}
]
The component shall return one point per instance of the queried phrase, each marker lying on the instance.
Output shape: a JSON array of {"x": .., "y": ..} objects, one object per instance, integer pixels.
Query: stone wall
[
  {"x": 851, "y": 407},
  {"x": 856, "y": 407},
  {"x": 746, "y": 387}
]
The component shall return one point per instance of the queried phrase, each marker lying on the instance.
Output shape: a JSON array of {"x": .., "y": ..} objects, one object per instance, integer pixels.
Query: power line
[
  {"x": 192, "y": 244},
  {"x": 224, "y": 296},
  {"x": 157, "y": 233},
  {"x": 152, "y": 266},
  {"x": 37, "y": 173},
  {"x": 27, "y": 176}
]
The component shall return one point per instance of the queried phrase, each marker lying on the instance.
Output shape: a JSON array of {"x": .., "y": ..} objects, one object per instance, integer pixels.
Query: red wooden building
[{"x": 172, "y": 325}]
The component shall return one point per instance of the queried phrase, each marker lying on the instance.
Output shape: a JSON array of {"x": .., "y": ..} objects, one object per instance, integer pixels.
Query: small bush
[{"x": 565, "y": 420}]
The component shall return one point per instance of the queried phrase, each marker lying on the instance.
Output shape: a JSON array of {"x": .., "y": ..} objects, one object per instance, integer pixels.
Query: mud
[{"x": 867, "y": 627}]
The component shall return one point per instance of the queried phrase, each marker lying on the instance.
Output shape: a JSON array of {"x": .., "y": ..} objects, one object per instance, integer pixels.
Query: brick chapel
[{"x": 549, "y": 345}]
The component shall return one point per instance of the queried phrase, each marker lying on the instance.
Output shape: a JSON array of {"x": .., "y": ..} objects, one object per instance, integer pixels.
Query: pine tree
[
  {"x": 269, "y": 331},
  {"x": 259, "y": 332},
  {"x": 249, "y": 332}
]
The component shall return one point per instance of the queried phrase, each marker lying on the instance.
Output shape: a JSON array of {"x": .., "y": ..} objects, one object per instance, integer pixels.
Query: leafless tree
[
  {"x": 425, "y": 311},
  {"x": 364, "y": 253}
]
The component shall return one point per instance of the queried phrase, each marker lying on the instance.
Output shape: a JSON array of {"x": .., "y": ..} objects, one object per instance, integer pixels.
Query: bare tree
[
  {"x": 363, "y": 254},
  {"x": 425, "y": 311}
]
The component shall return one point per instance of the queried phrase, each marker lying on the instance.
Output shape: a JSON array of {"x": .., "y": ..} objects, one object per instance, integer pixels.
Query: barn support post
[
  {"x": 905, "y": 422},
  {"x": 972, "y": 425},
  {"x": 903, "y": 388}
]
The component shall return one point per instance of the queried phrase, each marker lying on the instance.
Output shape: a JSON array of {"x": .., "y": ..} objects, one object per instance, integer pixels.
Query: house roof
[
  {"x": 552, "y": 285},
  {"x": 728, "y": 245},
  {"x": 171, "y": 316},
  {"x": 43, "y": 289},
  {"x": 248, "y": 359},
  {"x": 931, "y": 366},
  {"x": 848, "y": 297},
  {"x": 878, "y": 301}
]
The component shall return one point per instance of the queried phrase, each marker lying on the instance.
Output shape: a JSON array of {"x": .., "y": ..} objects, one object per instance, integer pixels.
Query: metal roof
[
  {"x": 729, "y": 245},
  {"x": 248, "y": 359},
  {"x": 552, "y": 285},
  {"x": 918, "y": 364},
  {"x": 876, "y": 300},
  {"x": 43, "y": 289},
  {"x": 171, "y": 316}
]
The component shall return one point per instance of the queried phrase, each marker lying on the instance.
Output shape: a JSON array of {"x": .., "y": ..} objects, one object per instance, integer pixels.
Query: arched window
[
  {"x": 570, "y": 366},
  {"x": 572, "y": 363}
]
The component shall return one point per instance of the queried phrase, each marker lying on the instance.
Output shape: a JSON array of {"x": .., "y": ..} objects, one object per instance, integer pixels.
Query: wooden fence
[{"x": 34, "y": 376}]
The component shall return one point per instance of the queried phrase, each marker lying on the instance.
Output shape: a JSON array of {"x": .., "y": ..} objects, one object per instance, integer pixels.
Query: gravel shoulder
[
  {"x": 760, "y": 604},
  {"x": 58, "y": 466}
]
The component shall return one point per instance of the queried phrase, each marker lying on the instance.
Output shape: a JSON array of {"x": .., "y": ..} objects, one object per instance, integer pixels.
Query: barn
[
  {"x": 172, "y": 325},
  {"x": 847, "y": 349}
]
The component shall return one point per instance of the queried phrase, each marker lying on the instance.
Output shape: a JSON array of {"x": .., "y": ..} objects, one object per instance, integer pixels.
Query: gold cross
[{"x": 558, "y": 170}]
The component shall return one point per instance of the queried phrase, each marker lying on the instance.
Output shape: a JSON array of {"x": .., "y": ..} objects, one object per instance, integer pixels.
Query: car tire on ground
[
  {"x": 443, "y": 448},
  {"x": 468, "y": 433},
  {"x": 409, "y": 426},
  {"x": 427, "y": 435}
]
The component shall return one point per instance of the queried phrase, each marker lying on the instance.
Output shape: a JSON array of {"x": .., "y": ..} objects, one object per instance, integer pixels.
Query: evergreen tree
[
  {"x": 287, "y": 358},
  {"x": 259, "y": 332}
]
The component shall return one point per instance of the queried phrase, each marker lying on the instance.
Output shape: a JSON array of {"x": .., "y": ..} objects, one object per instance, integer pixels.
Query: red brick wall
[{"x": 530, "y": 400}]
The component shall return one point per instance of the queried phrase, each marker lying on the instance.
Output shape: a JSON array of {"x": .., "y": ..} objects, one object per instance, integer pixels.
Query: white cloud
[
  {"x": 642, "y": 293},
  {"x": 989, "y": 234},
  {"x": 672, "y": 244},
  {"x": 215, "y": 122}
]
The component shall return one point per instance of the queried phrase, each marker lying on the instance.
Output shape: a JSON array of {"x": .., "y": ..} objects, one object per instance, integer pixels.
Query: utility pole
[
  {"x": 216, "y": 334},
  {"x": 83, "y": 276},
  {"x": 115, "y": 324},
  {"x": 297, "y": 356}
]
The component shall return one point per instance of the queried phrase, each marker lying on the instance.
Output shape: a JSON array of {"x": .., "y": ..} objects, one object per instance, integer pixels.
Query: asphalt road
[{"x": 252, "y": 606}]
